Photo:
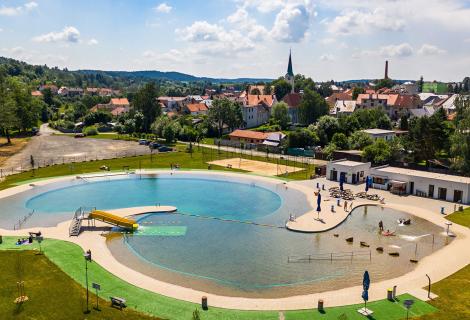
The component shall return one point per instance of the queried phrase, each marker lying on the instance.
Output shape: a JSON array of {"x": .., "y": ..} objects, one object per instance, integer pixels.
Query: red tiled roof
[
  {"x": 248, "y": 134},
  {"x": 196, "y": 107},
  {"x": 119, "y": 101},
  {"x": 118, "y": 110},
  {"x": 292, "y": 99},
  {"x": 331, "y": 100},
  {"x": 256, "y": 99}
]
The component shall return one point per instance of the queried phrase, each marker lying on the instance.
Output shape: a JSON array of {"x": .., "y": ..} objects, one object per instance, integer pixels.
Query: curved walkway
[{"x": 438, "y": 265}]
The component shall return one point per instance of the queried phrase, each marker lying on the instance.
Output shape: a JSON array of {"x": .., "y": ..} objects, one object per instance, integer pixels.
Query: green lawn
[
  {"x": 453, "y": 291},
  {"x": 69, "y": 258},
  {"x": 461, "y": 217},
  {"x": 52, "y": 293}
]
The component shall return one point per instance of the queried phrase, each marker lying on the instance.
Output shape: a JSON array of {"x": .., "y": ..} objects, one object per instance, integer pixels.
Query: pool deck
[{"x": 438, "y": 265}]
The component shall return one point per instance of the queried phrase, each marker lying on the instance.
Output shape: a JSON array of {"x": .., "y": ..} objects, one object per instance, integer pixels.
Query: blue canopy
[
  {"x": 319, "y": 202},
  {"x": 365, "y": 295},
  {"x": 366, "y": 281}
]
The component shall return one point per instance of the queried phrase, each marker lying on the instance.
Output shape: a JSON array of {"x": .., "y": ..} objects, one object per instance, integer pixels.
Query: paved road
[{"x": 48, "y": 148}]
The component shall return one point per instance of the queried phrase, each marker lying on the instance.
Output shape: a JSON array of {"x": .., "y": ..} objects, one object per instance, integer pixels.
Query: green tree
[
  {"x": 340, "y": 140},
  {"x": 460, "y": 138},
  {"x": 225, "y": 111},
  {"x": 280, "y": 114},
  {"x": 359, "y": 140},
  {"x": 357, "y": 91},
  {"x": 404, "y": 123},
  {"x": 146, "y": 102},
  {"x": 48, "y": 98},
  {"x": 302, "y": 138},
  {"x": 268, "y": 89},
  {"x": 281, "y": 88},
  {"x": 255, "y": 91},
  {"x": 378, "y": 153},
  {"x": 312, "y": 107},
  {"x": 8, "y": 115},
  {"x": 327, "y": 126},
  {"x": 384, "y": 83}
]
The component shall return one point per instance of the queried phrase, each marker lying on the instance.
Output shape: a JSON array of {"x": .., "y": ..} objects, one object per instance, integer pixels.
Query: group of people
[{"x": 28, "y": 240}]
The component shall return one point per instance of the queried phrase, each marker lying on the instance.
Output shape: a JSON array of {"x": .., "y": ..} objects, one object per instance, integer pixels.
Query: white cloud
[
  {"x": 357, "y": 22},
  {"x": 1, "y": 30},
  {"x": 399, "y": 50},
  {"x": 292, "y": 23},
  {"x": 31, "y": 5},
  {"x": 327, "y": 57},
  {"x": 92, "y": 42},
  {"x": 247, "y": 25},
  {"x": 14, "y": 11},
  {"x": 430, "y": 50},
  {"x": 68, "y": 34},
  {"x": 163, "y": 8}
]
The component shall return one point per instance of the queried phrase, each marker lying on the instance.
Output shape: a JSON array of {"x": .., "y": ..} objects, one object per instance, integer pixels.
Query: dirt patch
[
  {"x": 7, "y": 150},
  {"x": 264, "y": 168}
]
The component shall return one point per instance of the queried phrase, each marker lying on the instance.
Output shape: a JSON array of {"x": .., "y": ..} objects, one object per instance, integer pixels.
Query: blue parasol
[
  {"x": 365, "y": 287},
  {"x": 319, "y": 202},
  {"x": 367, "y": 183},
  {"x": 341, "y": 182}
]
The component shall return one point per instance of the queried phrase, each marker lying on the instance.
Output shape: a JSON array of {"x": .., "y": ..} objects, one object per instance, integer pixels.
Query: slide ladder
[
  {"x": 76, "y": 224},
  {"x": 113, "y": 219}
]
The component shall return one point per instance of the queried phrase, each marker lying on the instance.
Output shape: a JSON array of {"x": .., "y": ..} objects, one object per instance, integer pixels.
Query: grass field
[
  {"x": 52, "y": 293},
  {"x": 453, "y": 291},
  {"x": 196, "y": 160},
  {"x": 69, "y": 258}
]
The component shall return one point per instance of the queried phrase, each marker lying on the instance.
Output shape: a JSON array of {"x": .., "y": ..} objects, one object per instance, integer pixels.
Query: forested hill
[
  {"x": 172, "y": 75},
  {"x": 81, "y": 78}
]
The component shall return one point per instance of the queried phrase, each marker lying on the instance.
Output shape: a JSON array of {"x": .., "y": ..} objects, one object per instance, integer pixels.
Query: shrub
[{"x": 90, "y": 131}]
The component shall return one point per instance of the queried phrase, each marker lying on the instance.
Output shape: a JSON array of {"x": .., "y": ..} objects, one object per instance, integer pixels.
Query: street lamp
[{"x": 87, "y": 256}]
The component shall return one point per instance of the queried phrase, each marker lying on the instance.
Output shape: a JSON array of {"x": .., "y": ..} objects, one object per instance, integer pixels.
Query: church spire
[{"x": 290, "y": 72}]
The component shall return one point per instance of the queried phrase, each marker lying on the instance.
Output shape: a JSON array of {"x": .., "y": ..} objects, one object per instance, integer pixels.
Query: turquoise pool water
[{"x": 247, "y": 260}]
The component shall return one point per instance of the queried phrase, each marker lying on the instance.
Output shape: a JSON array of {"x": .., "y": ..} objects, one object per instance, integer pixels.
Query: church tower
[{"x": 290, "y": 73}]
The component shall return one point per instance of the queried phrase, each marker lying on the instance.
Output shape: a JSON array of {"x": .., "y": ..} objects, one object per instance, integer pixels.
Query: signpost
[
  {"x": 408, "y": 304},
  {"x": 97, "y": 287}
]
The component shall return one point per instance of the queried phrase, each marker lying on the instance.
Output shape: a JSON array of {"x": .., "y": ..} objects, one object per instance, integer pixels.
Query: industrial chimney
[{"x": 386, "y": 69}]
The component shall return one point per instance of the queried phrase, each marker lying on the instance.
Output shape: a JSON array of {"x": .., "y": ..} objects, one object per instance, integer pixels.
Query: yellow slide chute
[{"x": 114, "y": 219}]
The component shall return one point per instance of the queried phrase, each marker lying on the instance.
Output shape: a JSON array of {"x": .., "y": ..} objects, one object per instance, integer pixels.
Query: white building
[
  {"x": 422, "y": 183},
  {"x": 352, "y": 171},
  {"x": 375, "y": 134},
  {"x": 403, "y": 181}
]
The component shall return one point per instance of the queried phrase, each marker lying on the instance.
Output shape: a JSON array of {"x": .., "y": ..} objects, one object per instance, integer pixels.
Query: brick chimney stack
[{"x": 386, "y": 69}]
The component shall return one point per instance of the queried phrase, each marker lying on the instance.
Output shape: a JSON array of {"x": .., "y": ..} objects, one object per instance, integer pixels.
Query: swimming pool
[{"x": 208, "y": 246}]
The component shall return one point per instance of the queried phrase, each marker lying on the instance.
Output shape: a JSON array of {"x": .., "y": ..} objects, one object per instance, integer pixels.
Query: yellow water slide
[{"x": 114, "y": 219}]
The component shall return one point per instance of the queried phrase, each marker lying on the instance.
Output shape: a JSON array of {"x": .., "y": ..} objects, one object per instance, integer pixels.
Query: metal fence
[{"x": 25, "y": 164}]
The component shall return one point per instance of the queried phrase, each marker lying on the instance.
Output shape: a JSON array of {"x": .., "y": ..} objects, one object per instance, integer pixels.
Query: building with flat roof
[
  {"x": 403, "y": 181},
  {"x": 380, "y": 134},
  {"x": 352, "y": 171}
]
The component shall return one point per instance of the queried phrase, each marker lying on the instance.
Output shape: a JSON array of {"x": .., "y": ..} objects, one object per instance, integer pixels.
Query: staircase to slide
[{"x": 93, "y": 214}]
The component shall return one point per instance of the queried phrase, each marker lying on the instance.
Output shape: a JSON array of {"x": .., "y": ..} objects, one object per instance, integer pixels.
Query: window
[{"x": 378, "y": 180}]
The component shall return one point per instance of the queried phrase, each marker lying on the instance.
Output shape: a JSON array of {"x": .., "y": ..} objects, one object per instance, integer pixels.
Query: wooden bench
[{"x": 118, "y": 302}]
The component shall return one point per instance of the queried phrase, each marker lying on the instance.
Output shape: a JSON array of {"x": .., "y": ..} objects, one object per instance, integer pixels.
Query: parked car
[
  {"x": 79, "y": 135},
  {"x": 154, "y": 145},
  {"x": 144, "y": 142},
  {"x": 165, "y": 149}
]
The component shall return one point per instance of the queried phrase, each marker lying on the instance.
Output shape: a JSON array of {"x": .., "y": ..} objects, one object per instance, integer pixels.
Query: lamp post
[{"x": 87, "y": 256}]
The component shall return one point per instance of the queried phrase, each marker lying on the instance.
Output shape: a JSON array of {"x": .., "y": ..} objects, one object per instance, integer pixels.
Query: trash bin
[
  {"x": 389, "y": 294},
  {"x": 204, "y": 303},
  {"x": 320, "y": 305}
]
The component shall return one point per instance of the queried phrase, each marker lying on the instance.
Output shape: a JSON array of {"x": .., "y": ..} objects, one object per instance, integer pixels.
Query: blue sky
[{"x": 330, "y": 39}]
